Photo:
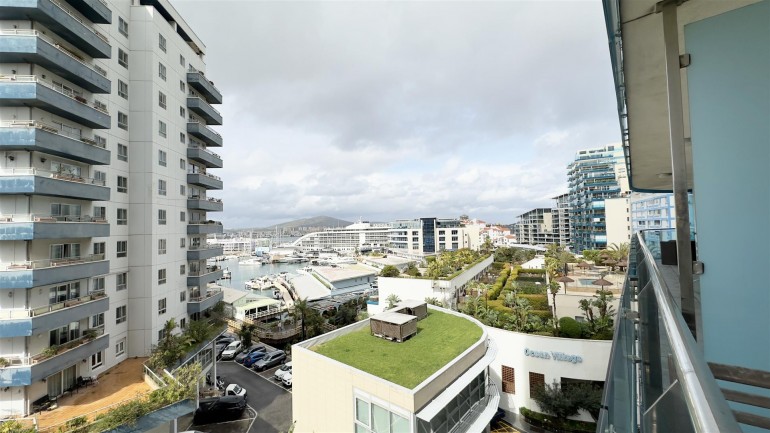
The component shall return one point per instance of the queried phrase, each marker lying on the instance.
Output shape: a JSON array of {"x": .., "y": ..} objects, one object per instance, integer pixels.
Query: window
[
  {"x": 182, "y": 164},
  {"x": 162, "y": 217},
  {"x": 120, "y": 314},
  {"x": 122, "y": 184},
  {"x": 536, "y": 380},
  {"x": 162, "y": 42},
  {"x": 182, "y": 271},
  {"x": 97, "y": 284},
  {"x": 161, "y": 187},
  {"x": 100, "y": 212},
  {"x": 182, "y": 215},
  {"x": 182, "y": 296},
  {"x": 122, "y": 58},
  {"x": 182, "y": 138},
  {"x": 122, "y": 120},
  {"x": 183, "y": 323},
  {"x": 100, "y": 141},
  {"x": 120, "y": 347},
  {"x": 97, "y": 320},
  {"x": 96, "y": 359},
  {"x": 161, "y": 158},
  {"x": 181, "y": 60},
  {"x": 182, "y": 242},
  {"x": 122, "y": 89},
  {"x": 122, "y": 248},
  {"x": 100, "y": 177},
  {"x": 182, "y": 114},
  {"x": 161, "y": 276},
  {"x": 182, "y": 87},
  {"x": 161, "y": 246},
  {"x": 162, "y": 71},
  {"x": 161, "y": 334},
  {"x": 371, "y": 417},
  {"x": 162, "y": 100},
  {"x": 123, "y": 26},
  {"x": 161, "y": 128},
  {"x": 162, "y": 306},
  {"x": 121, "y": 281},
  {"x": 122, "y": 152},
  {"x": 182, "y": 190},
  {"x": 509, "y": 380},
  {"x": 122, "y": 216}
]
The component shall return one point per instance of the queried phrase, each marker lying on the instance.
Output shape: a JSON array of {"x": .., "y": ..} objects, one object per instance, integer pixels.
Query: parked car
[
  {"x": 270, "y": 360},
  {"x": 235, "y": 389},
  {"x": 284, "y": 370},
  {"x": 232, "y": 349},
  {"x": 219, "y": 348},
  {"x": 243, "y": 355},
  {"x": 220, "y": 381},
  {"x": 219, "y": 408},
  {"x": 254, "y": 357},
  {"x": 286, "y": 380},
  {"x": 227, "y": 338}
]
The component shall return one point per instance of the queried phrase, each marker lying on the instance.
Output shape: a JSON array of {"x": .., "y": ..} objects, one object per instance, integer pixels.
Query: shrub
[
  {"x": 497, "y": 287},
  {"x": 527, "y": 278},
  {"x": 390, "y": 271},
  {"x": 532, "y": 288},
  {"x": 543, "y": 420},
  {"x": 544, "y": 315},
  {"x": 533, "y": 272},
  {"x": 497, "y": 266},
  {"x": 538, "y": 302},
  {"x": 570, "y": 328},
  {"x": 604, "y": 334}
]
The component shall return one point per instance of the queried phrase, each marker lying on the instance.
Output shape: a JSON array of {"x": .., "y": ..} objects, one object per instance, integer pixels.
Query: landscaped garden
[
  {"x": 445, "y": 266},
  {"x": 440, "y": 338}
]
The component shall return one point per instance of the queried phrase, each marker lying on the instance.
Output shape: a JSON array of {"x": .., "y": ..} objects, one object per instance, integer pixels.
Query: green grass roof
[{"x": 440, "y": 338}]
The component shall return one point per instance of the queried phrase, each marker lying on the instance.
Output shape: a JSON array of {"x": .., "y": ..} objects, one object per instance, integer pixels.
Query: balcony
[
  {"x": 26, "y": 370},
  {"x": 204, "y": 133},
  {"x": 199, "y": 301},
  {"x": 203, "y": 109},
  {"x": 28, "y": 274},
  {"x": 202, "y": 278},
  {"x": 15, "y": 227},
  {"x": 205, "y": 228},
  {"x": 202, "y": 203},
  {"x": 205, "y": 157},
  {"x": 31, "y": 91},
  {"x": 203, "y": 252},
  {"x": 675, "y": 390},
  {"x": 36, "y": 136},
  {"x": 43, "y": 182},
  {"x": 95, "y": 10},
  {"x": 31, "y": 46},
  {"x": 208, "y": 181},
  {"x": 199, "y": 82},
  {"x": 60, "y": 20},
  {"x": 27, "y": 322}
]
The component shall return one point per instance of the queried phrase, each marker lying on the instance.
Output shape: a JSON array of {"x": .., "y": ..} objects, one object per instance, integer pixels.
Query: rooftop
[
  {"x": 344, "y": 272},
  {"x": 440, "y": 338}
]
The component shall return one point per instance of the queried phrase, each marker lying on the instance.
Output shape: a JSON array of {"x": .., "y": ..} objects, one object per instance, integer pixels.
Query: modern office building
[
  {"x": 442, "y": 391},
  {"x": 419, "y": 238},
  {"x": 595, "y": 176},
  {"x": 104, "y": 187},
  {"x": 690, "y": 350},
  {"x": 355, "y": 237}
]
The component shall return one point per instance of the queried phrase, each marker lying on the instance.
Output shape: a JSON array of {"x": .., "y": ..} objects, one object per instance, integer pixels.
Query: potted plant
[{"x": 4, "y": 362}]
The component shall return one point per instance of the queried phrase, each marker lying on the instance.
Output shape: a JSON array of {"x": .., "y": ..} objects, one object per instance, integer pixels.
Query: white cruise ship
[{"x": 346, "y": 239}]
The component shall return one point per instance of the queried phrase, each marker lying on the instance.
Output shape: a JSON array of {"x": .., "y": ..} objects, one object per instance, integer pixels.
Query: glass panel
[
  {"x": 54, "y": 384},
  {"x": 361, "y": 429},
  {"x": 398, "y": 424},
  {"x": 68, "y": 378},
  {"x": 380, "y": 420},
  {"x": 423, "y": 426},
  {"x": 362, "y": 411}
]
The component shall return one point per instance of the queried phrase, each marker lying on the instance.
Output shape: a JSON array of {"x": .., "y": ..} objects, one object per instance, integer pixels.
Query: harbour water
[{"x": 242, "y": 273}]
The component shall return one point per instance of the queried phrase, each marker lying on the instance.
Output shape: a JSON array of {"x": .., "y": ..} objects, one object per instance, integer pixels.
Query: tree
[
  {"x": 301, "y": 312},
  {"x": 620, "y": 251},
  {"x": 390, "y": 271},
  {"x": 554, "y": 289},
  {"x": 169, "y": 350},
  {"x": 556, "y": 401},
  {"x": 412, "y": 270},
  {"x": 14, "y": 426},
  {"x": 392, "y": 300},
  {"x": 246, "y": 334}
]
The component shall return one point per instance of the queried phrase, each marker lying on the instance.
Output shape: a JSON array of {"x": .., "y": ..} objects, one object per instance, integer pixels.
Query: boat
[
  {"x": 226, "y": 274},
  {"x": 250, "y": 261}
]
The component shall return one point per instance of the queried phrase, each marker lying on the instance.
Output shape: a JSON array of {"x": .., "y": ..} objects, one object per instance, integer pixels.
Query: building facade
[
  {"x": 536, "y": 227},
  {"x": 560, "y": 216},
  {"x": 594, "y": 176},
  {"x": 103, "y": 187},
  {"x": 423, "y": 237}
]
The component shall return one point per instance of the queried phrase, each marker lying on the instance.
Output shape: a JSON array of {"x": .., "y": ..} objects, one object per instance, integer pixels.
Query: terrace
[{"x": 440, "y": 338}]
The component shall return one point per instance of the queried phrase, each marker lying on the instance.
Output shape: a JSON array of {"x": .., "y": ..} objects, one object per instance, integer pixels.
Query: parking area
[{"x": 242, "y": 425}]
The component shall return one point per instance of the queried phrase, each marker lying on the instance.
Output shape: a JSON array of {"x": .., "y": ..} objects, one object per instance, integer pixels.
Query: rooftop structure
[
  {"x": 691, "y": 77},
  {"x": 437, "y": 380}
]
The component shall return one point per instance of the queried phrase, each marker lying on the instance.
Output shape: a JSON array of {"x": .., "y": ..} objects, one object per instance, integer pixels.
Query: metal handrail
[
  {"x": 93, "y": 30},
  {"x": 51, "y": 174},
  {"x": 196, "y": 295},
  {"x": 25, "y": 360},
  {"x": 204, "y": 125},
  {"x": 4, "y": 218},
  {"x": 192, "y": 96},
  {"x": 97, "y": 105},
  {"x": 50, "y": 263},
  {"x": 196, "y": 145},
  {"x": 51, "y": 42},
  {"x": 25, "y": 313},
  {"x": 207, "y": 175},
  {"x": 204, "y": 247}
]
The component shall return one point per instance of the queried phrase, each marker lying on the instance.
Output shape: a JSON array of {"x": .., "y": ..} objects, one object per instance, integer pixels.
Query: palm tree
[
  {"x": 620, "y": 251},
  {"x": 392, "y": 299},
  {"x": 301, "y": 310}
]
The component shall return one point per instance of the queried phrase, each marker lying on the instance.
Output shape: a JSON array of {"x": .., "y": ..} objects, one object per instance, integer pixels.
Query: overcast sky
[{"x": 385, "y": 110}]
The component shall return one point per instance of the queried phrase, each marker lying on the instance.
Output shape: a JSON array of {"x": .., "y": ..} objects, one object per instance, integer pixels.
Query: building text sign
[{"x": 558, "y": 356}]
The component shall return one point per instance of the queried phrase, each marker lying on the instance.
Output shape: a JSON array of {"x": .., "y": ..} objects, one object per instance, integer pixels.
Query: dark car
[
  {"x": 219, "y": 348},
  {"x": 243, "y": 355},
  {"x": 270, "y": 360},
  {"x": 225, "y": 339},
  {"x": 254, "y": 357},
  {"x": 219, "y": 408}
]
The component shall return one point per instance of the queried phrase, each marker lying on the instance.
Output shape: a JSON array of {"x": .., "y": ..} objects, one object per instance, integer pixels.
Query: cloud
[{"x": 403, "y": 109}]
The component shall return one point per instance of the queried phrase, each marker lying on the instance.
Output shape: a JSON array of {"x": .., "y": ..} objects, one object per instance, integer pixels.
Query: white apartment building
[
  {"x": 422, "y": 237},
  {"x": 104, "y": 114}
]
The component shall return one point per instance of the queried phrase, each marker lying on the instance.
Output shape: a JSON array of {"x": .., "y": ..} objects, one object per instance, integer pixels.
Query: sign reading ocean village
[{"x": 559, "y": 356}]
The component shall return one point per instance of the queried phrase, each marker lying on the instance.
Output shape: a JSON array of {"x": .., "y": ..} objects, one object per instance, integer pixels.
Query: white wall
[
  {"x": 595, "y": 357},
  {"x": 618, "y": 220}
]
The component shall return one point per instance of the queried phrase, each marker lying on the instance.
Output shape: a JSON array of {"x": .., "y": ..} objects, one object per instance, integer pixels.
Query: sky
[{"x": 391, "y": 110}]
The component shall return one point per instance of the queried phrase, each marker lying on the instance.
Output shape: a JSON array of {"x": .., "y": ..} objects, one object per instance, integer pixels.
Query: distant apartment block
[
  {"x": 104, "y": 188},
  {"x": 419, "y": 238},
  {"x": 536, "y": 227},
  {"x": 595, "y": 176}
]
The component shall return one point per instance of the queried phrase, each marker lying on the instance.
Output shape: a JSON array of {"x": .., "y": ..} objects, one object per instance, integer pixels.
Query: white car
[
  {"x": 232, "y": 349},
  {"x": 282, "y": 371},
  {"x": 235, "y": 389},
  {"x": 286, "y": 379}
]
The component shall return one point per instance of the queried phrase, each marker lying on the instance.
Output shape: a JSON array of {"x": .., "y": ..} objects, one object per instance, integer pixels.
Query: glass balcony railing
[{"x": 658, "y": 378}]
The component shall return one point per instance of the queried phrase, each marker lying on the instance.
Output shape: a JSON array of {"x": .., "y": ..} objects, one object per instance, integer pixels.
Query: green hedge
[
  {"x": 544, "y": 315},
  {"x": 526, "y": 278},
  {"x": 497, "y": 266},
  {"x": 532, "y": 271},
  {"x": 554, "y": 424},
  {"x": 538, "y": 302},
  {"x": 497, "y": 287},
  {"x": 569, "y": 327},
  {"x": 532, "y": 288}
]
